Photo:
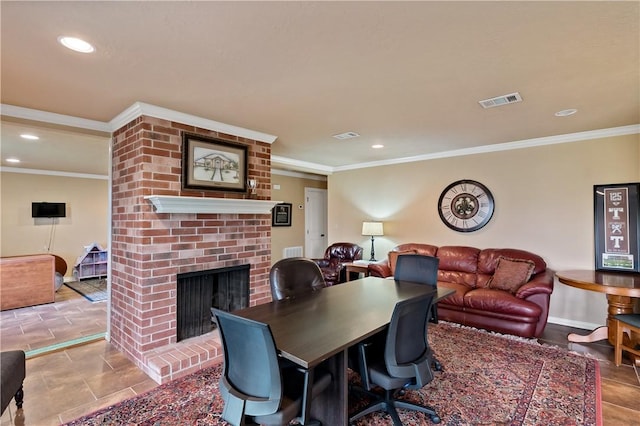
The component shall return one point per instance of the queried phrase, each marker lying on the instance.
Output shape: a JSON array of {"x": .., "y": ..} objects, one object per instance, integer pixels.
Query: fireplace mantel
[{"x": 177, "y": 204}]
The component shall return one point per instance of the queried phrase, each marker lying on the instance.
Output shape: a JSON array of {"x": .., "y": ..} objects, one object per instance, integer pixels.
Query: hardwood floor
[{"x": 67, "y": 384}]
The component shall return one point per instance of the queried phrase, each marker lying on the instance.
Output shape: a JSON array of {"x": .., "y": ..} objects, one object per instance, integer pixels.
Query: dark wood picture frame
[
  {"x": 616, "y": 210},
  {"x": 213, "y": 164},
  {"x": 281, "y": 214}
]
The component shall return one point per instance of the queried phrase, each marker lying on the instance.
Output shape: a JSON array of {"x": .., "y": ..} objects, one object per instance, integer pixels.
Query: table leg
[
  {"x": 306, "y": 406},
  {"x": 331, "y": 406},
  {"x": 617, "y": 305},
  {"x": 599, "y": 333}
]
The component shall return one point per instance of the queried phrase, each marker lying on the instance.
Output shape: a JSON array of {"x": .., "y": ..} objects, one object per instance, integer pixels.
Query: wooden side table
[
  {"x": 621, "y": 289},
  {"x": 356, "y": 267}
]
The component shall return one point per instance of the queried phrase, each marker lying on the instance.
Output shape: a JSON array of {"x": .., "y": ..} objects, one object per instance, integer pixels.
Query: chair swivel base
[{"x": 389, "y": 404}]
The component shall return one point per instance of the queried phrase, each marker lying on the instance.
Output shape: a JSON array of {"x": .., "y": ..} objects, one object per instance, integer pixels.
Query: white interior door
[{"x": 315, "y": 222}]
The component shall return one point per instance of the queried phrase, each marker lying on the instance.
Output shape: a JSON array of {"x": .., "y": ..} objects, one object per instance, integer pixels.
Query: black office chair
[
  {"x": 419, "y": 269},
  {"x": 253, "y": 383},
  {"x": 403, "y": 363},
  {"x": 293, "y": 276},
  {"x": 424, "y": 270}
]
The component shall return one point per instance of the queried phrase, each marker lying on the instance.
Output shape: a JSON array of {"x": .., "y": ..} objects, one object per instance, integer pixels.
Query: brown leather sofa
[
  {"x": 477, "y": 302},
  {"x": 335, "y": 256}
]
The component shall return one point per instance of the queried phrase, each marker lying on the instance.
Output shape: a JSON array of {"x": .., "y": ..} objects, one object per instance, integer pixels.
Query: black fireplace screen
[{"x": 223, "y": 288}]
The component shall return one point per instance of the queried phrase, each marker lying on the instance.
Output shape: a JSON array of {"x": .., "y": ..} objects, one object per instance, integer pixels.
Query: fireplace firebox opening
[{"x": 197, "y": 292}]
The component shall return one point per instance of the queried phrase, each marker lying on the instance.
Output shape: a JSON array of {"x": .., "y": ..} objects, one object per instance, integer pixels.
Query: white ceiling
[{"x": 407, "y": 75}]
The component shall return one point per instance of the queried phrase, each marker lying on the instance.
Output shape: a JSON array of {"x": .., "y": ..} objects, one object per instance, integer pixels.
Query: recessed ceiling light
[
  {"x": 29, "y": 136},
  {"x": 566, "y": 112},
  {"x": 12, "y": 160},
  {"x": 377, "y": 146},
  {"x": 76, "y": 44}
]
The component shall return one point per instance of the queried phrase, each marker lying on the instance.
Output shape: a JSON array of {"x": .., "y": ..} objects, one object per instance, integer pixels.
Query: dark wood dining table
[{"x": 317, "y": 329}]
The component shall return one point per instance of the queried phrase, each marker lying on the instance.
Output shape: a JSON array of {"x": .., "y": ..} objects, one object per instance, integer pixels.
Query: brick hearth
[{"x": 149, "y": 249}]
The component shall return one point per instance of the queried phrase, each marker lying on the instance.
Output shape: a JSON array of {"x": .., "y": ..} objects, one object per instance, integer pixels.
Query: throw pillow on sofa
[{"x": 511, "y": 274}]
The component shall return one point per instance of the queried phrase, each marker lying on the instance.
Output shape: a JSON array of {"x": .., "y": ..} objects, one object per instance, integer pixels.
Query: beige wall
[
  {"x": 86, "y": 222},
  {"x": 291, "y": 191},
  {"x": 543, "y": 203}
]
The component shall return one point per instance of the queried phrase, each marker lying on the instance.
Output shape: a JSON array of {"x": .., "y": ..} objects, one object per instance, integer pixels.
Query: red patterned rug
[{"x": 489, "y": 379}]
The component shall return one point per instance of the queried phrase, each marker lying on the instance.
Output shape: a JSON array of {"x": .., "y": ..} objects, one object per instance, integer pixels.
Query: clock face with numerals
[{"x": 465, "y": 205}]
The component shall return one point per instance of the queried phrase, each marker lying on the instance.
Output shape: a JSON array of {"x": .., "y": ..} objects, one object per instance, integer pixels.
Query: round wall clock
[{"x": 465, "y": 205}]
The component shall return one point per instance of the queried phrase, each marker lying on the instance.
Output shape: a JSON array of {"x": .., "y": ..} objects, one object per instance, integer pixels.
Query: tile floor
[{"x": 70, "y": 317}]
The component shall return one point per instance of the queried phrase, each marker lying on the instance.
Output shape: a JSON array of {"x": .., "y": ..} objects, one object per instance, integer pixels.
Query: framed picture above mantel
[
  {"x": 616, "y": 221},
  {"x": 213, "y": 164}
]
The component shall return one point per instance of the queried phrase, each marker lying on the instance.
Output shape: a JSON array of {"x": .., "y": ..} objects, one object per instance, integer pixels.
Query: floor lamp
[{"x": 372, "y": 229}]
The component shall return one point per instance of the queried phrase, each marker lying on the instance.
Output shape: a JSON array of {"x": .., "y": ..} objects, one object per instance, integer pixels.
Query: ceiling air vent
[
  {"x": 501, "y": 100},
  {"x": 346, "y": 135}
]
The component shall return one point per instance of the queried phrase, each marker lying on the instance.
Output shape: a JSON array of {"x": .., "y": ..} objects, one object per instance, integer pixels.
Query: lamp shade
[{"x": 372, "y": 228}]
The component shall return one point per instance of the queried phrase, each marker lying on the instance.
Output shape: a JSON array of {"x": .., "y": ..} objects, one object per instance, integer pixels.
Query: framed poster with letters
[{"x": 616, "y": 218}]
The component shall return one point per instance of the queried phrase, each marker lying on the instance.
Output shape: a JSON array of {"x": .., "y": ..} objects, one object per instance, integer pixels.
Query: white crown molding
[
  {"x": 176, "y": 204},
  {"x": 52, "y": 173},
  {"x": 140, "y": 108},
  {"x": 53, "y": 118},
  {"x": 302, "y": 165},
  {"x": 301, "y": 175},
  {"x": 526, "y": 143}
]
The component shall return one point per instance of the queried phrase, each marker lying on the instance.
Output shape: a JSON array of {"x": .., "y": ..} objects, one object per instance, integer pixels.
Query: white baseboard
[{"x": 571, "y": 323}]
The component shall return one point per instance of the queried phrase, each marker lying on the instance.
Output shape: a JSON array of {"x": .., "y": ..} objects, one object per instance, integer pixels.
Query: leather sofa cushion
[
  {"x": 511, "y": 274},
  {"x": 458, "y": 264},
  {"x": 456, "y": 299},
  {"x": 457, "y": 258},
  {"x": 498, "y": 301},
  {"x": 418, "y": 248}
]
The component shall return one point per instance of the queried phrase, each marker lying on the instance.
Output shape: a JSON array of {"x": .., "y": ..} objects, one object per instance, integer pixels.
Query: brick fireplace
[{"x": 149, "y": 249}]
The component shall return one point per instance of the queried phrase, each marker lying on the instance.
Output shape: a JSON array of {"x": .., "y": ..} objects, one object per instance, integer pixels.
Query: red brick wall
[{"x": 149, "y": 249}]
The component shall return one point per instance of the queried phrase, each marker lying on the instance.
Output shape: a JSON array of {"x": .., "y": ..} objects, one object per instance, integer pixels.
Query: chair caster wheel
[
  {"x": 436, "y": 419},
  {"x": 437, "y": 366}
]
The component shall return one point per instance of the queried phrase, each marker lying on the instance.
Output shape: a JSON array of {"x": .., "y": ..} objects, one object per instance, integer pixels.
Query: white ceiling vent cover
[
  {"x": 501, "y": 100},
  {"x": 346, "y": 135}
]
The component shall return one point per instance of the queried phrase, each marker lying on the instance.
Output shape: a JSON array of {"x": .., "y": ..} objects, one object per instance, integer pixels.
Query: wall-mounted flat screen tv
[{"x": 43, "y": 209}]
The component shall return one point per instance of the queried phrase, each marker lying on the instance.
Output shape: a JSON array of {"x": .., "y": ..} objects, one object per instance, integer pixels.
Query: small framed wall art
[
  {"x": 616, "y": 218},
  {"x": 281, "y": 215},
  {"x": 214, "y": 164}
]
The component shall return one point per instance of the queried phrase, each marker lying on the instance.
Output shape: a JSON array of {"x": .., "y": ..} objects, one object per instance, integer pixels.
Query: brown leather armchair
[{"x": 334, "y": 257}]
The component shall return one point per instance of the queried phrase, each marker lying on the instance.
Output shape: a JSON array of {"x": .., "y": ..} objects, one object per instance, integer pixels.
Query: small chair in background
[
  {"x": 293, "y": 276},
  {"x": 335, "y": 256},
  {"x": 630, "y": 322}
]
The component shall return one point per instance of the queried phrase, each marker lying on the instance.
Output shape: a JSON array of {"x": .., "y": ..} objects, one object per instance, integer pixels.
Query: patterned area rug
[
  {"x": 94, "y": 290},
  {"x": 489, "y": 379}
]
